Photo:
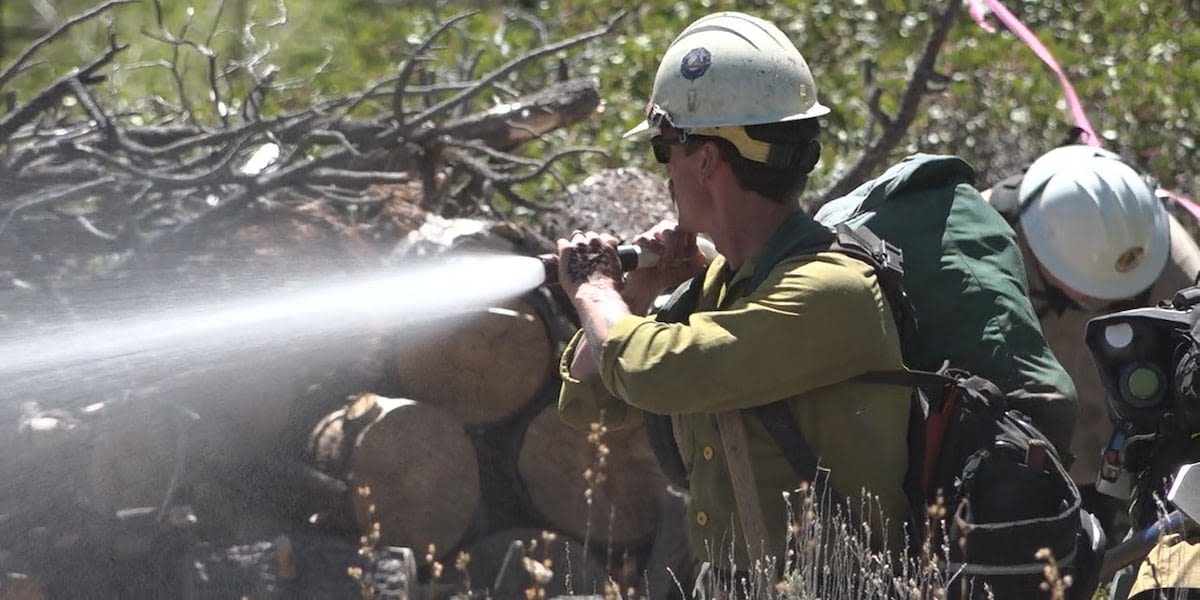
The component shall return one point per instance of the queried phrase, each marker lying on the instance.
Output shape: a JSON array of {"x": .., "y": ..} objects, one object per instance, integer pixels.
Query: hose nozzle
[{"x": 632, "y": 257}]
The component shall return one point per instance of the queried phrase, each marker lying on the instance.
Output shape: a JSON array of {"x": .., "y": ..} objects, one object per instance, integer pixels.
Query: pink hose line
[{"x": 978, "y": 8}]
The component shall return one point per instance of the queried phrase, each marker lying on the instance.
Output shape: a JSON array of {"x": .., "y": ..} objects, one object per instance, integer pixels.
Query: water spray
[{"x": 168, "y": 331}]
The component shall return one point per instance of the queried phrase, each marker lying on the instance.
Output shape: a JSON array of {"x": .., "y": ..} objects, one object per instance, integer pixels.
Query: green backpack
[{"x": 965, "y": 279}]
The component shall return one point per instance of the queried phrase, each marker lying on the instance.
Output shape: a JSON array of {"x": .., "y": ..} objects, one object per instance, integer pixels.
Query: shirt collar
[{"x": 797, "y": 231}]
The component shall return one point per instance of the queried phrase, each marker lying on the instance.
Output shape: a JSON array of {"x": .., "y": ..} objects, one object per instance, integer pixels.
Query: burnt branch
[
  {"x": 54, "y": 195},
  {"x": 356, "y": 179},
  {"x": 203, "y": 162},
  {"x": 896, "y": 127},
  {"x": 18, "y": 65},
  {"x": 418, "y": 54},
  {"x": 481, "y": 169},
  {"x": 52, "y": 95},
  {"x": 181, "y": 41},
  {"x": 512, "y": 65},
  {"x": 509, "y": 125}
]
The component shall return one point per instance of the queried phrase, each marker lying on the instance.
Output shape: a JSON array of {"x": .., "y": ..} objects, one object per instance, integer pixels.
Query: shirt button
[
  {"x": 708, "y": 453},
  {"x": 701, "y": 519}
]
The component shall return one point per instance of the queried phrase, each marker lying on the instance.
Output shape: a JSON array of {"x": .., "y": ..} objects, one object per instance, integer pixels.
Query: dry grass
[
  {"x": 833, "y": 555},
  {"x": 836, "y": 558}
]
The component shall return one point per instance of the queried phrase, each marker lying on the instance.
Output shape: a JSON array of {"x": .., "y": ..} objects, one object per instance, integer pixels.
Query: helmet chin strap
[
  {"x": 1058, "y": 297},
  {"x": 1052, "y": 299}
]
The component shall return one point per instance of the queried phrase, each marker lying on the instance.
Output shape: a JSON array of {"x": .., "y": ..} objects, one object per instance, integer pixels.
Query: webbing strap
[{"x": 777, "y": 418}]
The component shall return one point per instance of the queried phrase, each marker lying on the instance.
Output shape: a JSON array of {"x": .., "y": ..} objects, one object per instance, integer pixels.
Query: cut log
[
  {"x": 45, "y": 455},
  {"x": 560, "y": 467},
  {"x": 413, "y": 474},
  {"x": 19, "y": 586},
  {"x": 485, "y": 368},
  {"x": 512, "y": 561},
  {"x": 488, "y": 364}
]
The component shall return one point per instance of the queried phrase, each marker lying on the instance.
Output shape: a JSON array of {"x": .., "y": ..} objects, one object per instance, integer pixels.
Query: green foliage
[{"x": 1000, "y": 107}]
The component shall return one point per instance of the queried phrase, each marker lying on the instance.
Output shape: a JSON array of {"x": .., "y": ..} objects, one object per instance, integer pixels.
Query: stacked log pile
[
  {"x": 481, "y": 403},
  {"x": 276, "y": 468}
]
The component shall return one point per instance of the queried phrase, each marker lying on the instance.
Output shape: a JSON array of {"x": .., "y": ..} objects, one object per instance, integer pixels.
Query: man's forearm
[{"x": 599, "y": 308}]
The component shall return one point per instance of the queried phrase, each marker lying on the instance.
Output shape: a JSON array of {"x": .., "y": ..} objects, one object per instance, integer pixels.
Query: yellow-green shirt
[{"x": 815, "y": 322}]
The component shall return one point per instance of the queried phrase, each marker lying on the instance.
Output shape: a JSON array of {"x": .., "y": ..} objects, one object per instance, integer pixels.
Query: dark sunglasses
[{"x": 662, "y": 146}]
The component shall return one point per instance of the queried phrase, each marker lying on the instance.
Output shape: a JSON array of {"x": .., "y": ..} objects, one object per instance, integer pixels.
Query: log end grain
[
  {"x": 414, "y": 477},
  {"x": 561, "y": 466},
  {"x": 486, "y": 368}
]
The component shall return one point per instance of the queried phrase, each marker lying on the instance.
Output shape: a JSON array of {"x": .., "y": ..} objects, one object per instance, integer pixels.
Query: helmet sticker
[
  {"x": 695, "y": 63},
  {"x": 1129, "y": 259}
]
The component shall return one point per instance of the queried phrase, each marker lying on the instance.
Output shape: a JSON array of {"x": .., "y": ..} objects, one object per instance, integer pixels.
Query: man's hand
[
  {"x": 588, "y": 259},
  {"x": 679, "y": 259},
  {"x": 589, "y": 272}
]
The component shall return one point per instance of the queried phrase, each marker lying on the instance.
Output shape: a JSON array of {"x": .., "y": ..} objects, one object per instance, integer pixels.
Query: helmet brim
[{"x": 640, "y": 131}]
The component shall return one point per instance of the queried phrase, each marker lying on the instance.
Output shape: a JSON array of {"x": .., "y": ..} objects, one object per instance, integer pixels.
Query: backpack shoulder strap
[
  {"x": 660, "y": 430},
  {"x": 779, "y": 422},
  {"x": 861, "y": 243},
  {"x": 774, "y": 256},
  {"x": 776, "y": 417}
]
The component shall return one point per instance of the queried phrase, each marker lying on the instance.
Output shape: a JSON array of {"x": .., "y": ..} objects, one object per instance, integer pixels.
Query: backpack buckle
[{"x": 888, "y": 255}]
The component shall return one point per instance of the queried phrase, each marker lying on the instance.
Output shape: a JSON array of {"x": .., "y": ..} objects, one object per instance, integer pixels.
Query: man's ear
[{"x": 710, "y": 157}]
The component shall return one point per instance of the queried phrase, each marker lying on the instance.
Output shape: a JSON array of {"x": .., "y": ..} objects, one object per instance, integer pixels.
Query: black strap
[
  {"x": 779, "y": 422},
  {"x": 861, "y": 243},
  {"x": 1054, "y": 300},
  {"x": 659, "y": 429},
  {"x": 906, "y": 377}
]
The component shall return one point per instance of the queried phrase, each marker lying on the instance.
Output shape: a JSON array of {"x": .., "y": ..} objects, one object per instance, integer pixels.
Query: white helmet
[
  {"x": 726, "y": 70},
  {"x": 1093, "y": 222}
]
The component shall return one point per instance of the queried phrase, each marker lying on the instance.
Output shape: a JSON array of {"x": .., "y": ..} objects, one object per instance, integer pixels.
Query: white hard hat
[
  {"x": 1093, "y": 222},
  {"x": 727, "y": 70}
]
